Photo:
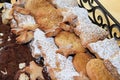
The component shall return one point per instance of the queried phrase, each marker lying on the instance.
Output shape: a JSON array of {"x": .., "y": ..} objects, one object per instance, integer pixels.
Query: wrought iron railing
[
  {"x": 102, "y": 17},
  {"x": 1, "y": 1}
]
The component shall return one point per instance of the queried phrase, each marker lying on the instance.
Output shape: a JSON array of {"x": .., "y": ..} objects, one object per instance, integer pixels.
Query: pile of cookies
[{"x": 60, "y": 31}]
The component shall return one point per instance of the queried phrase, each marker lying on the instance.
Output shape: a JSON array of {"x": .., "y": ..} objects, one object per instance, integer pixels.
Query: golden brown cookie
[
  {"x": 80, "y": 60},
  {"x": 112, "y": 69},
  {"x": 96, "y": 70},
  {"x": 34, "y": 70},
  {"x": 23, "y": 25},
  {"x": 66, "y": 26},
  {"x": 46, "y": 15},
  {"x": 68, "y": 43},
  {"x": 69, "y": 20}
]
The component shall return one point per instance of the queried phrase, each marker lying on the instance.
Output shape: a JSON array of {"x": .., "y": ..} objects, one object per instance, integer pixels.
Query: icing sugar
[
  {"x": 116, "y": 61},
  {"x": 106, "y": 48},
  {"x": 51, "y": 58},
  {"x": 24, "y": 21},
  {"x": 81, "y": 13},
  {"x": 65, "y": 3},
  {"x": 90, "y": 32}
]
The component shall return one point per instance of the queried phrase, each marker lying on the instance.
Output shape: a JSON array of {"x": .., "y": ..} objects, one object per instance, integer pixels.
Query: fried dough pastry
[
  {"x": 112, "y": 69},
  {"x": 31, "y": 72},
  {"x": 22, "y": 24},
  {"x": 69, "y": 21},
  {"x": 57, "y": 64},
  {"x": 104, "y": 49},
  {"x": 6, "y": 13},
  {"x": 21, "y": 21},
  {"x": 80, "y": 60},
  {"x": 96, "y": 70},
  {"x": 64, "y": 3},
  {"x": 90, "y": 33},
  {"x": 74, "y": 16},
  {"x": 108, "y": 50},
  {"x": 35, "y": 71},
  {"x": 68, "y": 43},
  {"x": 46, "y": 15}
]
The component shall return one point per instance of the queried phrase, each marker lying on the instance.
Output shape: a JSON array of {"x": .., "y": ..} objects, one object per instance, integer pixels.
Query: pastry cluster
[{"x": 73, "y": 48}]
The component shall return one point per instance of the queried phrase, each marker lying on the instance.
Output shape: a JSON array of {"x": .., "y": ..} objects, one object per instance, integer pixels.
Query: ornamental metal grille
[{"x": 102, "y": 17}]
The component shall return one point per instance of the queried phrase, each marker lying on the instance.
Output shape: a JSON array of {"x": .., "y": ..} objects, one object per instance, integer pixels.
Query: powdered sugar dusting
[
  {"x": 81, "y": 13},
  {"x": 48, "y": 51},
  {"x": 116, "y": 61},
  {"x": 13, "y": 24},
  {"x": 65, "y": 3},
  {"x": 34, "y": 47},
  {"x": 6, "y": 13},
  {"x": 7, "y": 6},
  {"x": 90, "y": 33},
  {"x": 66, "y": 68},
  {"x": 46, "y": 47},
  {"x": 105, "y": 48},
  {"x": 24, "y": 20}
]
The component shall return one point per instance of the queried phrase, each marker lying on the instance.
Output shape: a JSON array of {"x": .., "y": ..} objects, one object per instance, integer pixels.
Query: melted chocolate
[
  {"x": 10, "y": 58},
  {"x": 12, "y": 54}
]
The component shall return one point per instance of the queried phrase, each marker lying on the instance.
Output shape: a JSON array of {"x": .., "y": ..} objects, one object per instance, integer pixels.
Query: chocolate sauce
[{"x": 12, "y": 54}]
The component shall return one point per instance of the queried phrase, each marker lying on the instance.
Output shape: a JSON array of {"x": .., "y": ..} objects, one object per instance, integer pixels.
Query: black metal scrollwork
[
  {"x": 100, "y": 16},
  {"x": 2, "y": 1}
]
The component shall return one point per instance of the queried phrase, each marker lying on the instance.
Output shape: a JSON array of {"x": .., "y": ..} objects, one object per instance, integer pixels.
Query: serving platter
[{"x": 100, "y": 15}]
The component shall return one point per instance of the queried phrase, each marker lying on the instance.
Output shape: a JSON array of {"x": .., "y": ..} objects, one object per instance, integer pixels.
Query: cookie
[
  {"x": 68, "y": 43},
  {"x": 89, "y": 33},
  {"x": 46, "y": 15},
  {"x": 96, "y": 70},
  {"x": 104, "y": 49},
  {"x": 80, "y": 60}
]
